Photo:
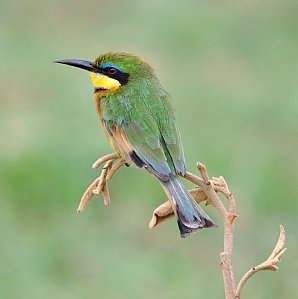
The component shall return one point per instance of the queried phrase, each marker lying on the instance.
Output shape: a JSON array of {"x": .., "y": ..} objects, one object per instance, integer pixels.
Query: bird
[{"x": 138, "y": 118}]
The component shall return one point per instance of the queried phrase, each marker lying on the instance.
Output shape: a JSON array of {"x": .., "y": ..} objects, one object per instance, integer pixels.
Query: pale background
[{"x": 231, "y": 68}]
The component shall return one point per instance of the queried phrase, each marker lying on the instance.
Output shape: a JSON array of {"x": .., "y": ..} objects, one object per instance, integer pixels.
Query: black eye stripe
[
  {"x": 121, "y": 77},
  {"x": 118, "y": 75}
]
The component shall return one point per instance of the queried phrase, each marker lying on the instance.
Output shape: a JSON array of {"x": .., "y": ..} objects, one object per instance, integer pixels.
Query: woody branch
[{"x": 205, "y": 190}]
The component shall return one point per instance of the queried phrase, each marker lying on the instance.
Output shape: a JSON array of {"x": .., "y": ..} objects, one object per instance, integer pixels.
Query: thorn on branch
[{"x": 232, "y": 217}]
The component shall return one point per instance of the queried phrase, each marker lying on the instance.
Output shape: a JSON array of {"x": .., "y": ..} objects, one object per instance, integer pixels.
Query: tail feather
[{"x": 190, "y": 216}]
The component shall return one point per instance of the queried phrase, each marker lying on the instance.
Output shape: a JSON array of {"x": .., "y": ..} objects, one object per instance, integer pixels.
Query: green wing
[
  {"x": 148, "y": 126},
  {"x": 171, "y": 138}
]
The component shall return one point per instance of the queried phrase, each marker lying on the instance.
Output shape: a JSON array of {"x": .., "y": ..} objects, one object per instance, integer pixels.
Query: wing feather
[{"x": 144, "y": 127}]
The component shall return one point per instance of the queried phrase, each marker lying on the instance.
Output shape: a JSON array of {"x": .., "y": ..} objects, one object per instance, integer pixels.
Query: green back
[{"x": 142, "y": 111}]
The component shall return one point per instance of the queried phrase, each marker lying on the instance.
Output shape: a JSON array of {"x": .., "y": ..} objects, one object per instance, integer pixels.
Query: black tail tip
[{"x": 185, "y": 231}]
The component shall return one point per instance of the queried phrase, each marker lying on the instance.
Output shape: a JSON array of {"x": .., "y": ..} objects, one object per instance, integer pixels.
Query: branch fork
[
  {"x": 100, "y": 185},
  {"x": 207, "y": 190},
  {"x": 269, "y": 264}
]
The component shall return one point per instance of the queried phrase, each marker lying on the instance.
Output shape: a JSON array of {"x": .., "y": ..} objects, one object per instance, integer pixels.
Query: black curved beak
[{"x": 82, "y": 64}]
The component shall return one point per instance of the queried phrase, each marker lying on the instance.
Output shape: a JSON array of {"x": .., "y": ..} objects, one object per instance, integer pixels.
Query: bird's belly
[{"x": 114, "y": 144}]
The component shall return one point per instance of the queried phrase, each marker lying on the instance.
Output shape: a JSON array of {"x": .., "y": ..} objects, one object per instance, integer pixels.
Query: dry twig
[
  {"x": 228, "y": 217},
  {"x": 112, "y": 156},
  {"x": 205, "y": 190},
  {"x": 269, "y": 264},
  {"x": 100, "y": 184}
]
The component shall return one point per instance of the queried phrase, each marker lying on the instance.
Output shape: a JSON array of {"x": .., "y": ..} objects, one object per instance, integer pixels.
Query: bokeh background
[{"x": 231, "y": 68}]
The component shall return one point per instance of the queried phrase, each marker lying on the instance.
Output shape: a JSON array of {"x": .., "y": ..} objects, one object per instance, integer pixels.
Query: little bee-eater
[{"x": 138, "y": 119}]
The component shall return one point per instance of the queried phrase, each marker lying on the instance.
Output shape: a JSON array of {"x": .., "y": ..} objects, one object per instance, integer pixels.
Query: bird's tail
[{"x": 190, "y": 216}]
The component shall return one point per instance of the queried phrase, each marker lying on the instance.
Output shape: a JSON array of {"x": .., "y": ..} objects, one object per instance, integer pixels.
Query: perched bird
[{"x": 138, "y": 119}]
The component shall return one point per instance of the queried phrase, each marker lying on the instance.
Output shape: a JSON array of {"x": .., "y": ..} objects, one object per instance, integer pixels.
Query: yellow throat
[{"x": 101, "y": 81}]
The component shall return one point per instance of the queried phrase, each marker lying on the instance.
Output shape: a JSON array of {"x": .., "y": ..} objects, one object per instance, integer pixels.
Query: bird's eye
[{"x": 112, "y": 71}]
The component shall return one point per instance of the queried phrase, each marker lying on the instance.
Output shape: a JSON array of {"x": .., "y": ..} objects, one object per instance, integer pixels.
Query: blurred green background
[{"x": 231, "y": 68}]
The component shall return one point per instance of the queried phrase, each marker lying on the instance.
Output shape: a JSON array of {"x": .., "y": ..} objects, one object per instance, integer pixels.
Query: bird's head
[{"x": 111, "y": 71}]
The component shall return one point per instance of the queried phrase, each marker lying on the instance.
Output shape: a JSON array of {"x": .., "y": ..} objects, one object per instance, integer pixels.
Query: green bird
[{"x": 138, "y": 119}]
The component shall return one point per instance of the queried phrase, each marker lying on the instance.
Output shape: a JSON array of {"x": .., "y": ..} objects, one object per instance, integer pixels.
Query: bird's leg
[{"x": 100, "y": 184}]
